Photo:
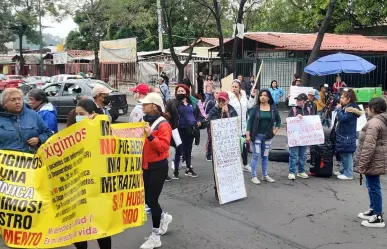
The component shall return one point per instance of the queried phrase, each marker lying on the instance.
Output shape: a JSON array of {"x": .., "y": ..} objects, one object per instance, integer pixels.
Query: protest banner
[
  {"x": 230, "y": 181},
  {"x": 297, "y": 90},
  {"x": 82, "y": 184},
  {"x": 304, "y": 131}
]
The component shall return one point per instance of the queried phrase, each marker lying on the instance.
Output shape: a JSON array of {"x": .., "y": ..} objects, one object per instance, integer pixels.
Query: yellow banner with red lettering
[{"x": 84, "y": 183}]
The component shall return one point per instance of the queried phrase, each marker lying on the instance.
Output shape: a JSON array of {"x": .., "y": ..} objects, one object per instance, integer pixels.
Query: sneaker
[
  {"x": 191, "y": 173},
  {"x": 164, "y": 223},
  {"x": 303, "y": 175},
  {"x": 376, "y": 221},
  {"x": 151, "y": 242},
  {"x": 292, "y": 176},
  {"x": 175, "y": 175},
  {"x": 247, "y": 168},
  {"x": 168, "y": 179},
  {"x": 343, "y": 177},
  {"x": 337, "y": 173},
  {"x": 367, "y": 215},
  {"x": 255, "y": 180},
  {"x": 209, "y": 158},
  {"x": 268, "y": 179}
]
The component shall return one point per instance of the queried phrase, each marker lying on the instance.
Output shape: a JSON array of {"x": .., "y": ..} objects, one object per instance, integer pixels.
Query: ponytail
[
  {"x": 166, "y": 115},
  {"x": 351, "y": 95}
]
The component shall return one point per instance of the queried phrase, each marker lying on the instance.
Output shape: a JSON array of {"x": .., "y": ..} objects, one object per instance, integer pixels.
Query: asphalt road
[{"x": 314, "y": 213}]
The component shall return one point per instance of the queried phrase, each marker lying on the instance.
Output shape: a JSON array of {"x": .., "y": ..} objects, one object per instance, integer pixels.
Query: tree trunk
[
  {"x": 320, "y": 37},
  {"x": 181, "y": 73},
  {"x": 96, "y": 65},
  {"x": 21, "y": 61}
]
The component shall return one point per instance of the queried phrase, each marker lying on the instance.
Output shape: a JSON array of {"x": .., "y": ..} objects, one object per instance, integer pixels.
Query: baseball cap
[
  {"x": 100, "y": 89},
  {"x": 223, "y": 95},
  {"x": 302, "y": 96},
  {"x": 153, "y": 98},
  {"x": 141, "y": 89}
]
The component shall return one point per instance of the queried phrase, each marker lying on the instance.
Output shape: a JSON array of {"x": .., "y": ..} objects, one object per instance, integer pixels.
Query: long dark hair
[
  {"x": 377, "y": 105},
  {"x": 89, "y": 106},
  {"x": 271, "y": 84},
  {"x": 351, "y": 95},
  {"x": 271, "y": 101}
]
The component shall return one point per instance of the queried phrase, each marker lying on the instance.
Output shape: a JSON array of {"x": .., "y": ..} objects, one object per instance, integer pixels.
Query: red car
[{"x": 9, "y": 81}]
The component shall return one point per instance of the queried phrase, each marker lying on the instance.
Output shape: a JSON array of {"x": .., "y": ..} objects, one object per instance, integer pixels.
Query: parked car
[
  {"x": 64, "y": 77},
  {"x": 63, "y": 94},
  {"x": 9, "y": 81}
]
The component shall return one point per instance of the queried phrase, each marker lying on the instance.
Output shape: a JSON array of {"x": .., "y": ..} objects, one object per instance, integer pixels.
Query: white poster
[
  {"x": 304, "y": 131},
  {"x": 229, "y": 177},
  {"x": 60, "y": 58},
  {"x": 297, "y": 90}
]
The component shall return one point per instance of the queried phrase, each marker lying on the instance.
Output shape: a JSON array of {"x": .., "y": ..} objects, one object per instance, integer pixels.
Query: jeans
[
  {"x": 184, "y": 149},
  {"x": 104, "y": 243},
  {"x": 297, "y": 156},
  {"x": 153, "y": 185},
  {"x": 375, "y": 193},
  {"x": 261, "y": 148},
  {"x": 244, "y": 153},
  {"x": 346, "y": 167}
]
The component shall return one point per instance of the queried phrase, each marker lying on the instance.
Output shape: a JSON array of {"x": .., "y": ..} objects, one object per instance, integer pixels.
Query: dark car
[{"x": 63, "y": 94}]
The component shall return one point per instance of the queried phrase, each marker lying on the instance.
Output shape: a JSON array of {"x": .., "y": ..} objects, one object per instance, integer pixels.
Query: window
[
  {"x": 54, "y": 79},
  {"x": 60, "y": 79},
  {"x": 52, "y": 90},
  {"x": 17, "y": 77},
  {"x": 71, "y": 89}
]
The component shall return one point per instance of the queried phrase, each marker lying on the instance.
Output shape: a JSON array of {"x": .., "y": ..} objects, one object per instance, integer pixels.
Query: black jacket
[
  {"x": 254, "y": 118},
  {"x": 216, "y": 113}
]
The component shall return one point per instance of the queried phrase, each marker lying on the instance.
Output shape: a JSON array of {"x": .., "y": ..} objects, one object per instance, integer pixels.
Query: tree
[
  {"x": 5, "y": 19},
  {"x": 75, "y": 40},
  {"x": 320, "y": 37}
]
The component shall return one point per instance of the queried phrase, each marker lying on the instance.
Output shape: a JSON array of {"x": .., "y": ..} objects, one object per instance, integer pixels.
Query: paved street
[{"x": 304, "y": 214}]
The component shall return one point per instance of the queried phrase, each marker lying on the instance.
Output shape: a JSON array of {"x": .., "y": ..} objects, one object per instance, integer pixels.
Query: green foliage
[{"x": 76, "y": 41}]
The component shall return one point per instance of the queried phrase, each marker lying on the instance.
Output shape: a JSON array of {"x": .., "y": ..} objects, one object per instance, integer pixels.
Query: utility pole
[
  {"x": 40, "y": 39},
  {"x": 160, "y": 25}
]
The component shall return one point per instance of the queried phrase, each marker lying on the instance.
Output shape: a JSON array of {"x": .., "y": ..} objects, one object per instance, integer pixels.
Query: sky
[{"x": 58, "y": 29}]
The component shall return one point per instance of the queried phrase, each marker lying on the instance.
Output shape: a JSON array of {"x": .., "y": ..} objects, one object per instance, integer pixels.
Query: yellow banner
[{"x": 84, "y": 183}]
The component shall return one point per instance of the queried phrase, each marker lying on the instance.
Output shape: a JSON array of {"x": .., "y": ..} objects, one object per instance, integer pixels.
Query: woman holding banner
[
  {"x": 155, "y": 164},
  {"x": 241, "y": 104},
  {"x": 264, "y": 122}
]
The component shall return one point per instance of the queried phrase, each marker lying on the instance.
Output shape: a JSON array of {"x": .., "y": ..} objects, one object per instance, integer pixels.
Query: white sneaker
[
  {"x": 151, "y": 242},
  {"x": 375, "y": 222},
  {"x": 164, "y": 222},
  {"x": 303, "y": 175},
  {"x": 255, "y": 180},
  {"x": 247, "y": 168},
  {"x": 292, "y": 176},
  {"x": 343, "y": 177},
  {"x": 367, "y": 215},
  {"x": 268, "y": 179},
  {"x": 337, "y": 173}
]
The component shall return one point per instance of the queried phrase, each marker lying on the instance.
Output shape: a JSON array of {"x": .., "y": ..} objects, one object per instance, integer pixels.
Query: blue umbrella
[{"x": 338, "y": 63}]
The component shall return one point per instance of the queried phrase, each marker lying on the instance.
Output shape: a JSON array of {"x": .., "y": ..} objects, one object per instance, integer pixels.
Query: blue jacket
[
  {"x": 48, "y": 114},
  {"x": 16, "y": 129},
  {"x": 346, "y": 128},
  {"x": 276, "y": 93}
]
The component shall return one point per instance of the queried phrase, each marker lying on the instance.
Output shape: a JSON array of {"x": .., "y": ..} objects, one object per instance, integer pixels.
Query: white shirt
[
  {"x": 241, "y": 106},
  {"x": 136, "y": 114}
]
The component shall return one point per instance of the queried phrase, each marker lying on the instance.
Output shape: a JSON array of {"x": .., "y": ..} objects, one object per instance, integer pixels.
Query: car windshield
[
  {"x": 96, "y": 83},
  {"x": 17, "y": 77}
]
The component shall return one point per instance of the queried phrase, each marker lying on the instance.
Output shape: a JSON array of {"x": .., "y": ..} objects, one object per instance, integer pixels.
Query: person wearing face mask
[
  {"x": 185, "y": 115},
  {"x": 38, "y": 101},
  {"x": 21, "y": 129},
  {"x": 71, "y": 117},
  {"x": 241, "y": 104},
  {"x": 155, "y": 164},
  {"x": 297, "y": 154},
  {"x": 264, "y": 122},
  {"x": 101, "y": 99},
  {"x": 140, "y": 92}
]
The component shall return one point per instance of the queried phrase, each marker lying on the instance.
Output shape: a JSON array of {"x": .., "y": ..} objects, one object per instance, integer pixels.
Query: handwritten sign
[
  {"x": 230, "y": 181},
  {"x": 295, "y": 91},
  {"x": 305, "y": 131}
]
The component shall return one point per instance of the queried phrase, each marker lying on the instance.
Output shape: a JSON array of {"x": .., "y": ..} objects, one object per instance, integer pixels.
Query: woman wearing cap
[
  {"x": 185, "y": 117},
  {"x": 140, "y": 92},
  {"x": 297, "y": 154},
  {"x": 276, "y": 92},
  {"x": 241, "y": 104},
  {"x": 264, "y": 122},
  {"x": 155, "y": 164},
  {"x": 38, "y": 101}
]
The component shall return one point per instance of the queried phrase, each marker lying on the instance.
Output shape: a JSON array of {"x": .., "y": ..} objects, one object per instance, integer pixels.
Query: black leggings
[
  {"x": 104, "y": 243},
  {"x": 185, "y": 148},
  {"x": 153, "y": 185},
  {"x": 244, "y": 153}
]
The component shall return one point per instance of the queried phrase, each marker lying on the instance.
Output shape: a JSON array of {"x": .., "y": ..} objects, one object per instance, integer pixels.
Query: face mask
[
  {"x": 180, "y": 96},
  {"x": 80, "y": 118}
]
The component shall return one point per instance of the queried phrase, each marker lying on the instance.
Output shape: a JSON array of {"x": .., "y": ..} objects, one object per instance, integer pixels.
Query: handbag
[{"x": 193, "y": 130}]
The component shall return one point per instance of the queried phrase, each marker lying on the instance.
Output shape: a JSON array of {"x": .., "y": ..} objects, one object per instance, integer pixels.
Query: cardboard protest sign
[
  {"x": 304, "y": 132},
  {"x": 226, "y": 82},
  {"x": 295, "y": 91},
  {"x": 229, "y": 177},
  {"x": 82, "y": 184}
]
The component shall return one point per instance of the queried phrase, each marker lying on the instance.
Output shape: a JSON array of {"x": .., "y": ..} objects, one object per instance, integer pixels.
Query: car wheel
[{"x": 279, "y": 155}]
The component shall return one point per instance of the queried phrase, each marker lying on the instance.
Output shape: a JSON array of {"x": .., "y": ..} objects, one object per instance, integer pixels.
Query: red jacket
[{"x": 156, "y": 147}]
